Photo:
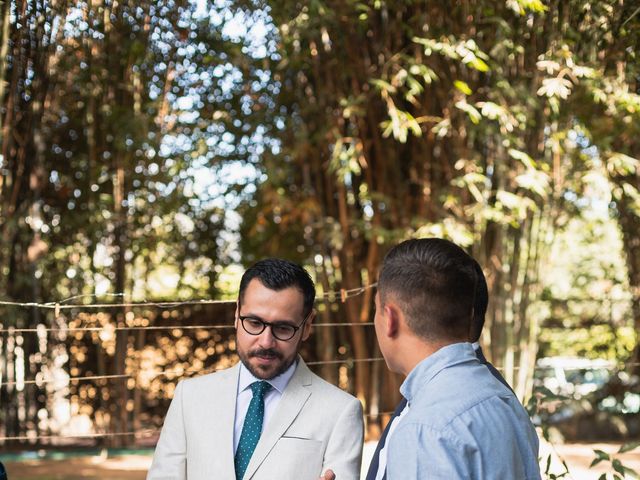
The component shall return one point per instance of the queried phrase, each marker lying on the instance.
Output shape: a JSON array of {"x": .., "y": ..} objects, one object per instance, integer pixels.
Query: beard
[{"x": 266, "y": 372}]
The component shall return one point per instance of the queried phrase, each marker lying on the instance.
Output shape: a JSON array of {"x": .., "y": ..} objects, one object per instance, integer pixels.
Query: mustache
[{"x": 265, "y": 353}]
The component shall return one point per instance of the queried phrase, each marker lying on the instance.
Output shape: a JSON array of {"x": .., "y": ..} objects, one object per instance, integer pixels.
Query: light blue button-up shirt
[{"x": 462, "y": 424}]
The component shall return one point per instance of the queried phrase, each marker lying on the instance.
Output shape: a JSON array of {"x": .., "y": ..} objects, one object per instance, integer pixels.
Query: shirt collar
[
  {"x": 428, "y": 368},
  {"x": 279, "y": 383}
]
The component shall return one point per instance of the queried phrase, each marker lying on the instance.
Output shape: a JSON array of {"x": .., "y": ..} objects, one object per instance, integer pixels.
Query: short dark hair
[
  {"x": 480, "y": 304},
  {"x": 278, "y": 274},
  {"x": 433, "y": 280}
]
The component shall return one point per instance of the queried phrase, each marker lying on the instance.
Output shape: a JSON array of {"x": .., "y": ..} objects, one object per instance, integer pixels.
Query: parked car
[{"x": 572, "y": 376}]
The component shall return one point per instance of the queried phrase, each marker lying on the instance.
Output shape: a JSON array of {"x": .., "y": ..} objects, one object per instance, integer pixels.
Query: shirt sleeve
[{"x": 417, "y": 452}]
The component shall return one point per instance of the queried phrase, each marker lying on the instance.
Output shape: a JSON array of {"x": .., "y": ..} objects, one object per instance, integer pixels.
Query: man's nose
[{"x": 266, "y": 338}]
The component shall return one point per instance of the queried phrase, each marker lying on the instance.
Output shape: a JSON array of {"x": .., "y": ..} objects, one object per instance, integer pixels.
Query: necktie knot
[{"x": 260, "y": 388}]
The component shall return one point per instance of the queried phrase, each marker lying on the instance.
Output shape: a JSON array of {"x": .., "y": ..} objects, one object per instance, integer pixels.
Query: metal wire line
[
  {"x": 142, "y": 433},
  {"x": 147, "y": 432},
  {"x": 158, "y": 327},
  {"x": 57, "y": 306},
  {"x": 178, "y": 372},
  {"x": 189, "y": 372},
  {"x": 62, "y": 305}
]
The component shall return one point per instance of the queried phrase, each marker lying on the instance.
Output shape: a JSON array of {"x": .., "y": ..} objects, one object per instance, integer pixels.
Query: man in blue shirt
[
  {"x": 460, "y": 422},
  {"x": 378, "y": 465}
]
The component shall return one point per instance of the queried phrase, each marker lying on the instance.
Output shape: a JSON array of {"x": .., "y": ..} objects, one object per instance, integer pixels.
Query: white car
[{"x": 572, "y": 376}]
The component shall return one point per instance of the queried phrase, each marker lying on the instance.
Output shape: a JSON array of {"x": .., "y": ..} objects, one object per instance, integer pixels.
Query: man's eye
[
  {"x": 252, "y": 322},
  {"x": 283, "y": 329}
]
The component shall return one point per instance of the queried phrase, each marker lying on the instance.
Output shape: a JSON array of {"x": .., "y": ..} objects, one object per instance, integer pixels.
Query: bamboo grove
[{"x": 329, "y": 131}]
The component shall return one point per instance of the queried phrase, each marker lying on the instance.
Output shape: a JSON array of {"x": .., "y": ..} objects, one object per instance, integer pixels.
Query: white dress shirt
[{"x": 271, "y": 398}]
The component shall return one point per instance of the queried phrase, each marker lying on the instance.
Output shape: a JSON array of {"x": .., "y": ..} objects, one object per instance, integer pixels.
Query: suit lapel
[
  {"x": 293, "y": 399},
  {"x": 218, "y": 402}
]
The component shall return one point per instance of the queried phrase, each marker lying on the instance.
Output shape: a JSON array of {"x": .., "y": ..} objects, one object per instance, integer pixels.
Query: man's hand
[{"x": 328, "y": 475}]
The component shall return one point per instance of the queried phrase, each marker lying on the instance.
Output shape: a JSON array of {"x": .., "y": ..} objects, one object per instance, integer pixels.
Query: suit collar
[
  {"x": 246, "y": 378},
  {"x": 293, "y": 400}
]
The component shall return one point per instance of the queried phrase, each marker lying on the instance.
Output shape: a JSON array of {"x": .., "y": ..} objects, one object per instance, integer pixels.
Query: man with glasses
[{"x": 268, "y": 416}]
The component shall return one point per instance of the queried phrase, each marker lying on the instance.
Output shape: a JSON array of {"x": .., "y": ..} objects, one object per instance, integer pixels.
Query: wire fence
[
  {"x": 57, "y": 307},
  {"x": 111, "y": 327},
  {"x": 177, "y": 372},
  {"x": 143, "y": 433},
  {"x": 189, "y": 372},
  {"x": 343, "y": 295}
]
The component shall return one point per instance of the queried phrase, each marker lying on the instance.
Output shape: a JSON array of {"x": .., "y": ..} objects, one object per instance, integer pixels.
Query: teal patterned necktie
[{"x": 251, "y": 429}]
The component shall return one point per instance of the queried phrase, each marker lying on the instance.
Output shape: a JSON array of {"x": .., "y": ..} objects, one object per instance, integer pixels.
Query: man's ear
[
  {"x": 237, "y": 315},
  {"x": 392, "y": 318},
  {"x": 306, "y": 329}
]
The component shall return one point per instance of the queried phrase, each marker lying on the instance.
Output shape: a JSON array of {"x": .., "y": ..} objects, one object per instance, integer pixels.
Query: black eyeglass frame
[{"x": 295, "y": 328}]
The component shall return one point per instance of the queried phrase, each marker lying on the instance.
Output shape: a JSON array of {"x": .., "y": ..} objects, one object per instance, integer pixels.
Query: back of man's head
[
  {"x": 278, "y": 274},
  {"x": 480, "y": 304},
  {"x": 433, "y": 281}
]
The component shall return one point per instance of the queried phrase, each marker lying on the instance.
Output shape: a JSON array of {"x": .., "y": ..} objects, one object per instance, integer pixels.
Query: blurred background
[{"x": 150, "y": 150}]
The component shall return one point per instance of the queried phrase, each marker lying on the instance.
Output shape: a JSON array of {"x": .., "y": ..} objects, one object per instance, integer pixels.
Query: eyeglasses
[{"x": 280, "y": 330}]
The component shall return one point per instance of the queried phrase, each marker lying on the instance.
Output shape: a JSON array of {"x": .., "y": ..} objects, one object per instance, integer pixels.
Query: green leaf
[
  {"x": 521, "y": 6},
  {"x": 622, "y": 470},
  {"x": 621, "y": 164},
  {"x": 617, "y": 466},
  {"x": 534, "y": 180},
  {"x": 602, "y": 455},
  {"x": 515, "y": 203},
  {"x": 627, "y": 447},
  {"x": 463, "y": 87},
  {"x": 491, "y": 110},
  {"x": 523, "y": 157},
  {"x": 479, "y": 65},
  {"x": 470, "y": 110},
  {"x": 441, "y": 129},
  {"x": 448, "y": 228},
  {"x": 583, "y": 72},
  {"x": 413, "y": 125},
  {"x": 382, "y": 85},
  {"x": 546, "y": 394},
  {"x": 550, "y": 66},
  {"x": 555, "y": 87}
]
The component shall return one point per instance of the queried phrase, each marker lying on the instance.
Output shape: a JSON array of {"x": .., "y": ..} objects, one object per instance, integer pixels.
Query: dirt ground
[
  {"x": 134, "y": 467},
  {"x": 128, "y": 467},
  {"x": 579, "y": 456}
]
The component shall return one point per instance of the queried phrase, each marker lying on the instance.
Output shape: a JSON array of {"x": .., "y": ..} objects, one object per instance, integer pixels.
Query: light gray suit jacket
[{"x": 314, "y": 427}]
